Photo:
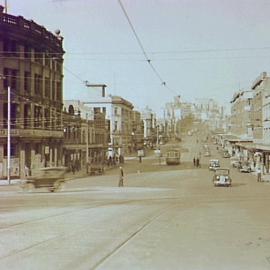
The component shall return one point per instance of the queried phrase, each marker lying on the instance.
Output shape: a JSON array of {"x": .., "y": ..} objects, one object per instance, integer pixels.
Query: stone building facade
[{"x": 31, "y": 60}]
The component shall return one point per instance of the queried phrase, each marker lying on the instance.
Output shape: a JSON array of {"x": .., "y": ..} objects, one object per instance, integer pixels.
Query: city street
[{"x": 165, "y": 217}]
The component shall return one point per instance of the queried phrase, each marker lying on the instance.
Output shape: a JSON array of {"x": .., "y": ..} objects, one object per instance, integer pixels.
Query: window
[
  {"x": 6, "y": 78},
  {"x": 47, "y": 59},
  {"x": 47, "y": 118},
  {"x": 47, "y": 88},
  {"x": 10, "y": 48},
  {"x": 14, "y": 80},
  {"x": 13, "y": 150},
  {"x": 11, "y": 79},
  {"x": 38, "y": 85},
  {"x": 38, "y": 117},
  {"x": 27, "y": 82},
  {"x": 115, "y": 126},
  {"x": 59, "y": 91},
  {"x": 27, "y": 51},
  {"x": 38, "y": 57}
]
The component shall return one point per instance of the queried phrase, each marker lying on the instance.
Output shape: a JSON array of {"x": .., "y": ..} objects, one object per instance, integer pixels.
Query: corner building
[{"x": 31, "y": 60}]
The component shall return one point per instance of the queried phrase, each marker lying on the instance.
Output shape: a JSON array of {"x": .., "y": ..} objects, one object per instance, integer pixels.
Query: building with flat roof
[{"x": 31, "y": 64}]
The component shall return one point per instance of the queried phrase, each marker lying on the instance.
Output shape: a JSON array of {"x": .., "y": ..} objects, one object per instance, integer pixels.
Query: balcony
[{"x": 36, "y": 133}]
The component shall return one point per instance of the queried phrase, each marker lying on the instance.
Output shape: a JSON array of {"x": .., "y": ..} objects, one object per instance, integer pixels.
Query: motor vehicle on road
[
  {"x": 236, "y": 164},
  {"x": 226, "y": 154},
  {"x": 214, "y": 164},
  {"x": 51, "y": 177},
  {"x": 222, "y": 177},
  {"x": 245, "y": 168},
  {"x": 173, "y": 157}
]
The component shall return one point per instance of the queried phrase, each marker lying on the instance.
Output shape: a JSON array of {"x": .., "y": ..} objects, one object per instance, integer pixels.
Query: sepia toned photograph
[{"x": 134, "y": 135}]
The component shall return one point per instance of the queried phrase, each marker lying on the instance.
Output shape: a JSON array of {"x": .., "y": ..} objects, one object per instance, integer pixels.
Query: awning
[{"x": 255, "y": 146}]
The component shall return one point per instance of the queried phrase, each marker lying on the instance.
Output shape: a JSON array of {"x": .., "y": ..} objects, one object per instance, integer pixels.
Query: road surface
[{"x": 163, "y": 218}]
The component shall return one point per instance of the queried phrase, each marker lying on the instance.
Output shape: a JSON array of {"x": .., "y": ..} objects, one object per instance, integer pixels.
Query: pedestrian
[
  {"x": 121, "y": 178},
  {"x": 73, "y": 169},
  {"x": 197, "y": 162},
  {"x": 26, "y": 171},
  {"x": 194, "y": 161},
  {"x": 140, "y": 159},
  {"x": 259, "y": 175}
]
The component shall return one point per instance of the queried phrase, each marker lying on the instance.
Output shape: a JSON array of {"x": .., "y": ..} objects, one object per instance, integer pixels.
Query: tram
[{"x": 173, "y": 157}]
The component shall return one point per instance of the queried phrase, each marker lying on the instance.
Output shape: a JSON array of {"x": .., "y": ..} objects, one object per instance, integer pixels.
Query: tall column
[
  {"x": 1, "y": 160},
  {"x": 51, "y": 156}
]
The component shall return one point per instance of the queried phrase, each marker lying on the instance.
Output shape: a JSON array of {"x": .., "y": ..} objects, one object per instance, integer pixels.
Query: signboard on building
[{"x": 47, "y": 150}]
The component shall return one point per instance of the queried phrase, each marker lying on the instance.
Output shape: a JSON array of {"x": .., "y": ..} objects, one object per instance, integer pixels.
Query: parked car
[
  {"x": 236, "y": 164},
  {"x": 213, "y": 164},
  {"x": 222, "y": 177},
  {"x": 226, "y": 154},
  {"x": 245, "y": 168}
]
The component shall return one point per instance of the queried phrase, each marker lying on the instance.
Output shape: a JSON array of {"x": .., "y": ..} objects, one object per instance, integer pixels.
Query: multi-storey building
[
  {"x": 211, "y": 113},
  {"x": 149, "y": 121},
  {"x": 137, "y": 131},
  {"x": 118, "y": 113},
  {"x": 92, "y": 144},
  {"x": 241, "y": 114},
  {"x": 31, "y": 60},
  {"x": 75, "y": 132},
  {"x": 257, "y": 105},
  {"x": 265, "y": 90},
  {"x": 121, "y": 124}
]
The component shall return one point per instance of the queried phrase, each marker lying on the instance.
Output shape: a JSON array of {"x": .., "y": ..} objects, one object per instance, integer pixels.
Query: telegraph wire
[
  {"x": 148, "y": 60},
  {"x": 149, "y": 52}
]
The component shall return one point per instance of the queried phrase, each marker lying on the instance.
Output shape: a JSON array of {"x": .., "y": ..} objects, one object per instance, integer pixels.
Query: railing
[{"x": 31, "y": 26}]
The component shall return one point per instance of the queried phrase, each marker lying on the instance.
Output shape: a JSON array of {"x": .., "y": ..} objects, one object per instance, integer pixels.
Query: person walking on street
[
  {"x": 121, "y": 178},
  {"x": 198, "y": 163},
  {"x": 194, "y": 161},
  {"x": 259, "y": 175},
  {"x": 73, "y": 168},
  {"x": 26, "y": 171}
]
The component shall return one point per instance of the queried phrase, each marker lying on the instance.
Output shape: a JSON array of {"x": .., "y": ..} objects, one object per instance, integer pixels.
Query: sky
[{"x": 200, "y": 48}]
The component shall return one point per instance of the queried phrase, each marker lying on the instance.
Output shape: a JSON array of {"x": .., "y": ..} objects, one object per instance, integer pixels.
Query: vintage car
[
  {"x": 213, "y": 164},
  {"x": 245, "y": 168},
  {"x": 52, "y": 178},
  {"x": 226, "y": 154},
  {"x": 222, "y": 177},
  {"x": 236, "y": 164}
]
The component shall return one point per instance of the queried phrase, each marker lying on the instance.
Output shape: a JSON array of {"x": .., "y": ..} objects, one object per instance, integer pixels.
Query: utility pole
[
  {"x": 8, "y": 138},
  {"x": 87, "y": 141},
  {"x": 8, "y": 129},
  {"x": 157, "y": 135}
]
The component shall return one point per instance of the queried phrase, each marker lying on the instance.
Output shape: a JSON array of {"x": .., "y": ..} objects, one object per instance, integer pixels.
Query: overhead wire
[{"x": 148, "y": 60}]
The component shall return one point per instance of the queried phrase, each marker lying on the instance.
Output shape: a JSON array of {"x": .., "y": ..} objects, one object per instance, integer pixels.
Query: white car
[
  {"x": 213, "y": 164},
  {"x": 222, "y": 178}
]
